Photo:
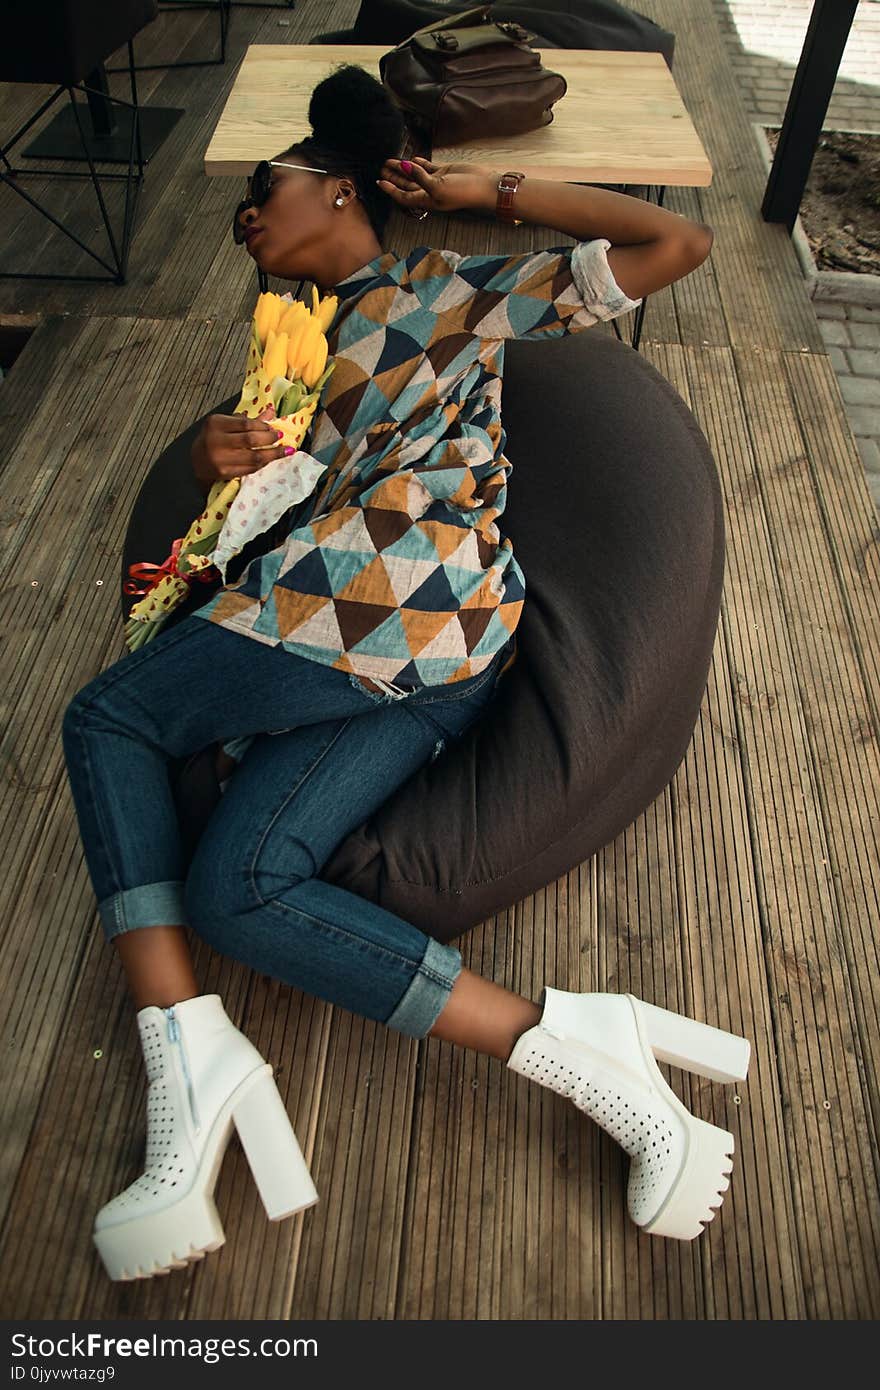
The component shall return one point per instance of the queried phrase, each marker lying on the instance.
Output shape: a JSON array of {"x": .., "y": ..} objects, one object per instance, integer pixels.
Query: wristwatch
[{"x": 507, "y": 186}]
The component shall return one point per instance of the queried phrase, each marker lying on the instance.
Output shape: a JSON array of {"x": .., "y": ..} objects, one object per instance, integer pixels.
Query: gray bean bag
[{"x": 615, "y": 512}]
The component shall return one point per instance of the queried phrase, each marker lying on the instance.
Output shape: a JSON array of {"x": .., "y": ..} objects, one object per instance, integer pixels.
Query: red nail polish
[
  {"x": 406, "y": 166},
  {"x": 279, "y": 434},
  {"x": 289, "y": 450}
]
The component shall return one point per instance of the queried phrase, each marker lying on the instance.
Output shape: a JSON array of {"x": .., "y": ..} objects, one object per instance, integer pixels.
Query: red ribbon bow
[{"x": 154, "y": 574}]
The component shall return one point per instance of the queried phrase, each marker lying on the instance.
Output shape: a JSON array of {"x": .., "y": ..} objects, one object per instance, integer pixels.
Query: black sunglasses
[{"x": 259, "y": 188}]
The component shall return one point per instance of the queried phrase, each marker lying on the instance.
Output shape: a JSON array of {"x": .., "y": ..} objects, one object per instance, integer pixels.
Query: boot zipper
[{"x": 174, "y": 1036}]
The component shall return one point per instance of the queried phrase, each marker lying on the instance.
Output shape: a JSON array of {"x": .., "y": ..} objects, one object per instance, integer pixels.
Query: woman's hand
[
  {"x": 418, "y": 185},
  {"x": 231, "y": 446}
]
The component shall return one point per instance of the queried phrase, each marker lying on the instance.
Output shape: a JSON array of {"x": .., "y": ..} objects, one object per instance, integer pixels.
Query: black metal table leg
[{"x": 640, "y": 312}]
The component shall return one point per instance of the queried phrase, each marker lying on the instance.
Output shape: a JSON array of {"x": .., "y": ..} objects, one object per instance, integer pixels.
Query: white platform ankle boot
[
  {"x": 204, "y": 1077},
  {"x": 600, "y": 1050}
]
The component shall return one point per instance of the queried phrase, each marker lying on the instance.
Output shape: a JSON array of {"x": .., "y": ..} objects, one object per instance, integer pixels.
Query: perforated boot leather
[
  {"x": 599, "y": 1050},
  {"x": 203, "y": 1077}
]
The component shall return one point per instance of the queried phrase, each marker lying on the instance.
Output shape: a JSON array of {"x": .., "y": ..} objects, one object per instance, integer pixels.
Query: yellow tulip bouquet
[{"x": 287, "y": 368}]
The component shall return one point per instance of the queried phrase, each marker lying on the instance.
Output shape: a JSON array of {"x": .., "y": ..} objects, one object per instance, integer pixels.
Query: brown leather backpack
[{"x": 468, "y": 77}]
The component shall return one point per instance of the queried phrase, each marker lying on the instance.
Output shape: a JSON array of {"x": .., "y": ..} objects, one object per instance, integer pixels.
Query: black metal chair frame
[
  {"x": 222, "y": 6},
  {"x": 9, "y": 176}
]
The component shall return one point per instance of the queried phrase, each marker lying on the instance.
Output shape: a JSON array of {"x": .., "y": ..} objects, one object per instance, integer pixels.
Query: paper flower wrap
[
  {"x": 263, "y": 497},
  {"x": 287, "y": 368}
]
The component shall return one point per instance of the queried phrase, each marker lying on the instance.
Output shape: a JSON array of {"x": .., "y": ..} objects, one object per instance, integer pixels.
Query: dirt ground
[{"x": 840, "y": 211}]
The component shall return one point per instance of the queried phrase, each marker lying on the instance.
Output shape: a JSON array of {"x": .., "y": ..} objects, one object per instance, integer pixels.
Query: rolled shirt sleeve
[
  {"x": 602, "y": 296},
  {"x": 541, "y": 294}
]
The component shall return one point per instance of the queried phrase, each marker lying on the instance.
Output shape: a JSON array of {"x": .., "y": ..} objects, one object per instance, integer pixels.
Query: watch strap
[{"x": 504, "y": 204}]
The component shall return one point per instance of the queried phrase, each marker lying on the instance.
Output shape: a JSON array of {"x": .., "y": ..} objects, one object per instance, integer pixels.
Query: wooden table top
[{"x": 622, "y": 119}]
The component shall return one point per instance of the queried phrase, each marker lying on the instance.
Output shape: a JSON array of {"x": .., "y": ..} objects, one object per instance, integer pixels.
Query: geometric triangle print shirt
[{"x": 401, "y": 572}]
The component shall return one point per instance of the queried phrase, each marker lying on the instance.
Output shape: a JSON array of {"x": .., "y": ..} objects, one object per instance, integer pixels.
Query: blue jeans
[{"x": 327, "y": 753}]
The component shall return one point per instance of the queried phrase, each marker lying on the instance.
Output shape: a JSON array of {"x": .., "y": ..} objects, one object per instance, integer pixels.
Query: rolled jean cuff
[
  {"x": 427, "y": 992},
  {"x": 152, "y": 905}
]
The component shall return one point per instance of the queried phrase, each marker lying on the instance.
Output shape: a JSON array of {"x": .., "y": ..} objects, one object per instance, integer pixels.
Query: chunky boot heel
[
  {"x": 599, "y": 1051},
  {"x": 278, "y": 1167},
  {"x": 682, "y": 1042},
  {"x": 204, "y": 1078}
]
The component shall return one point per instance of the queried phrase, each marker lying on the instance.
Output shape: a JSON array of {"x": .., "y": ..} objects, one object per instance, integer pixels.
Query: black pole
[
  {"x": 100, "y": 109},
  {"x": 830, "y": 23}
]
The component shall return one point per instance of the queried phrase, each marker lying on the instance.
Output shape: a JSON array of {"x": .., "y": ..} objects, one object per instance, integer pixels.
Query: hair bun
[{"x": 351, "y": 112}]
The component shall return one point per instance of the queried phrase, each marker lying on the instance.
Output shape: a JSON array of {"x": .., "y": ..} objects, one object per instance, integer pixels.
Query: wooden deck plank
[
  {"x": 44, "y": 650},
  {"x": 48, "y": 656},
  {"x": 47, "y": 943},
  {"x": 841, "y": 691},
  {"x": 727, "y": 982},
  {"x": 348, "y": 1267},
  {"x": 229, "y": 284},
  {"x": 637, "y": 952},
  {"x": 753, "y": 1271},
  {"x": 759, "y": 280},
  {"x": 809, "y": 990}
]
